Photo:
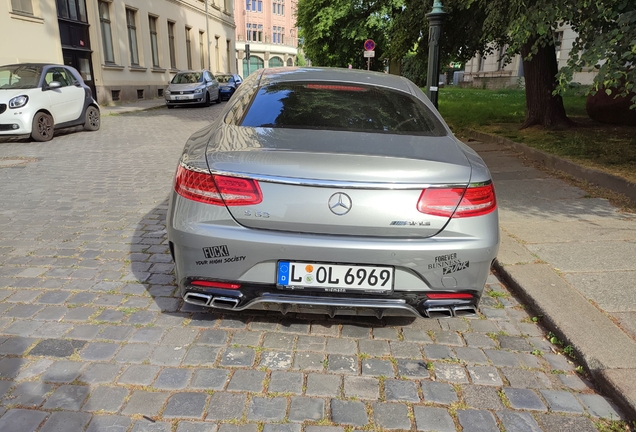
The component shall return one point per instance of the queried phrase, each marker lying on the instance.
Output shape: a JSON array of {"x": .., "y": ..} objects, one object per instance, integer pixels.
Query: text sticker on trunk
[{"x": 216, "y": 251}]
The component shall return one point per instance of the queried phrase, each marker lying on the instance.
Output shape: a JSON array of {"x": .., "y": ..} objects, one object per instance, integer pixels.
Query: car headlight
[
  {"x": 18, "y": 101},
  {"x": 167, "y": 92},
  {"x": 199, "y": 90}
]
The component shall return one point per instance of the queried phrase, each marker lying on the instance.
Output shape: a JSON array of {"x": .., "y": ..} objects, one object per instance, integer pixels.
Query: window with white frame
[
  {"x": 154, "y": 45},
  {"x": 107, "y": 35},
  {"x": 277, "y": 35},
  {"x": 254, "y": 5},
  {"x": 171, "y": 45},
  {"x": 22, "y": 6},
  {"x": 278, "y": 7},
  {"x": 254, "y": 32},
  {"x": 131, "y": 19},
  {"x": 217, "y": 54},
  {"x": 201, "y": 50},
  {"x": 188, "y": 47}
]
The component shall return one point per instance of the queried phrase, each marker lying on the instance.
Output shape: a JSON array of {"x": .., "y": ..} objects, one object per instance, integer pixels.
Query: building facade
[
  {"x": 125, "y": 50},
  {"x": 266, "y": 33},
  {"x": 489, "y": 71}
]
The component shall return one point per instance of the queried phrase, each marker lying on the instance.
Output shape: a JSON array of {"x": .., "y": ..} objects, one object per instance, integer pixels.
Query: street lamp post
[{"x": 435, "y": 19}]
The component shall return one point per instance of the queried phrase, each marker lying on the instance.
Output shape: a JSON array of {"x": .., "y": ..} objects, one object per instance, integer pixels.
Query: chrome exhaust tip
[
  {"x": 439, "y": 312},
  {"x": 468, "y": 310},
  {"x": 197, "y": 298},
  {"x": 224, "y": 302}
]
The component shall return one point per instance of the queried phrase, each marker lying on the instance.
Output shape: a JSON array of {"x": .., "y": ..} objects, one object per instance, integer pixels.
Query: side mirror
[{"x": 54, "y": 84}]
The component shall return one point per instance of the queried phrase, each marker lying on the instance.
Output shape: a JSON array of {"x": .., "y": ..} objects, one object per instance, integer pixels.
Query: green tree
[
  {"x": 606, "y": 39},
  {"x": 334, "y": 31}
]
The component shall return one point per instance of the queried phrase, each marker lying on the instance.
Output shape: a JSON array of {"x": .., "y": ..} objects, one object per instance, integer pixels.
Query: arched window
[
  {"x": 276, "y": 62},
  {"x": 290, "y": 62},
  {"x": 255, "y": 64}
]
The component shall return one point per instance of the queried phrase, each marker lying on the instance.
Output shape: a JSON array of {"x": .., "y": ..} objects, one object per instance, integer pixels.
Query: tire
[
  {"x": 43, "y": 127},
  {"x": 207, "y": 100},
  {"x": 218, "y": 97},
  {"x": 93, "y": 119}
]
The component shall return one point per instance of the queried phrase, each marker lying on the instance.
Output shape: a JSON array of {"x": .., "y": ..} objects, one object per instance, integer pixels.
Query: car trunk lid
[{"x": 340, "y": 183}]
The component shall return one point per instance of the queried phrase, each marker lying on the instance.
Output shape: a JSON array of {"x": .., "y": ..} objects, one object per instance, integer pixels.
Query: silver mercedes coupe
[{"x": 332, "y": 191}]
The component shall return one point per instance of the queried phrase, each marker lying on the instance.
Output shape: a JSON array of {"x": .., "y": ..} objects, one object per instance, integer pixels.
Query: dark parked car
[{"x": 228, "y": 84}]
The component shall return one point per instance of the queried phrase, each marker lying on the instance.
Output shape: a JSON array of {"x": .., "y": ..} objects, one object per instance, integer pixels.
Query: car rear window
[{"x": 334, "y": 106}]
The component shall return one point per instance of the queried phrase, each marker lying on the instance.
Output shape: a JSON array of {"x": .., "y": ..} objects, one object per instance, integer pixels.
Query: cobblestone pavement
[{"x": 93, "y": 337}]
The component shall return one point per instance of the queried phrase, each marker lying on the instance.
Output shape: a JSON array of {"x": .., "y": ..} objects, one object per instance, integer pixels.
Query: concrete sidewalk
[{"x": 573, "y": 259}]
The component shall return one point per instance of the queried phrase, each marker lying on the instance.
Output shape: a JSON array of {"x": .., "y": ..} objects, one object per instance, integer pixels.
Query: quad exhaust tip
[
  {"x": 224, "y": 302},
  {"x": 197, "y": 298},
  {"x": 451, "y": 311}
]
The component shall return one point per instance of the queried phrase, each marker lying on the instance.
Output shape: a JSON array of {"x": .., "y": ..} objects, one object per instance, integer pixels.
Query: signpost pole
[{"x": 369, "y": 46}]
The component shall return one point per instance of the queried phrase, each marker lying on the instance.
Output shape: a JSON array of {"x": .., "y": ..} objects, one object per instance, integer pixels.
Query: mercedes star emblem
[{"x": 340, "y": 203}]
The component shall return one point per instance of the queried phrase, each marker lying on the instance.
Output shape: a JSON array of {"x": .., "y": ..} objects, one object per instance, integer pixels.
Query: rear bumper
[
  {"x": 273, "y": 299},
  {"x": 207, "y": 244}
]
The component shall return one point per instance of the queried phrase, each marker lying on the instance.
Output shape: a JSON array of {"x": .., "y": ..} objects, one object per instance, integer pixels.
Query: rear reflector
[
  {"x": 215, "y": 189},
  {"x": 476, "y": 201},
  {"x": 214, "y": 284},
  {"x": 446, "y": 296}
]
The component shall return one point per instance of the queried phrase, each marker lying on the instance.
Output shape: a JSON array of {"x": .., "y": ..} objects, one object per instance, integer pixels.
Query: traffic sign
[
  {"x": 369, "y": 45},
  {"x": 369, "y": 54}
]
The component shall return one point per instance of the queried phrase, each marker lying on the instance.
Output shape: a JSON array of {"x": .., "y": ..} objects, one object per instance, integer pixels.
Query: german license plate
[
  {"x": 181, "y": 97},
  {"x": 334, "y": 277}
]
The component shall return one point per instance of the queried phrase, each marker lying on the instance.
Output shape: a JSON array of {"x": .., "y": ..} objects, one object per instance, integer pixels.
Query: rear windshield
[{"x": 342, "y": 107}]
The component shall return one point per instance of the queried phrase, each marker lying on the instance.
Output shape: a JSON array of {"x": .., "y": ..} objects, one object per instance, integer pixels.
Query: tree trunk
[{"x": 542, "y": 108}]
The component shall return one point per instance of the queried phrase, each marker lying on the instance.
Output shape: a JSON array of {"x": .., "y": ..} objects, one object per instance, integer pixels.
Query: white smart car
[{"x": 37, "y": 98}]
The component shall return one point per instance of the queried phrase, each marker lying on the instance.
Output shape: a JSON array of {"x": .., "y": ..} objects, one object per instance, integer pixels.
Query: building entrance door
[{"x": 81, "y": 60}]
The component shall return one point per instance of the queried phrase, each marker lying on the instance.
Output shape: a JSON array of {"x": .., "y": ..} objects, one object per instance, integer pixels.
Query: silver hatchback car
[
  {"x": 192, "y": 87},
  {"x": 332, "y": 191}
]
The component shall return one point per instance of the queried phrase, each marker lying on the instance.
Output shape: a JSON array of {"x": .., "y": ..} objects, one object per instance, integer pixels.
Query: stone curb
[
  {"x": 605, "y": 350},
  {"x": 597, "y": 177}
]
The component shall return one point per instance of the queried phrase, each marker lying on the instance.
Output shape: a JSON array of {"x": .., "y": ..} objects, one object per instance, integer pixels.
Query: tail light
[
  {"x": 458, "y": 202},
  {"x": 215, "y": 284},
  {"x": 216, "y": 189}
]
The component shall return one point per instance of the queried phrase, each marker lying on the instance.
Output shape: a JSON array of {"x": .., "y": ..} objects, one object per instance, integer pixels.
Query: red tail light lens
[
  {"x": 214, "y": 284},
  {"x": 216, "y": 190},
  {"x": 476, "y": 201}
]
